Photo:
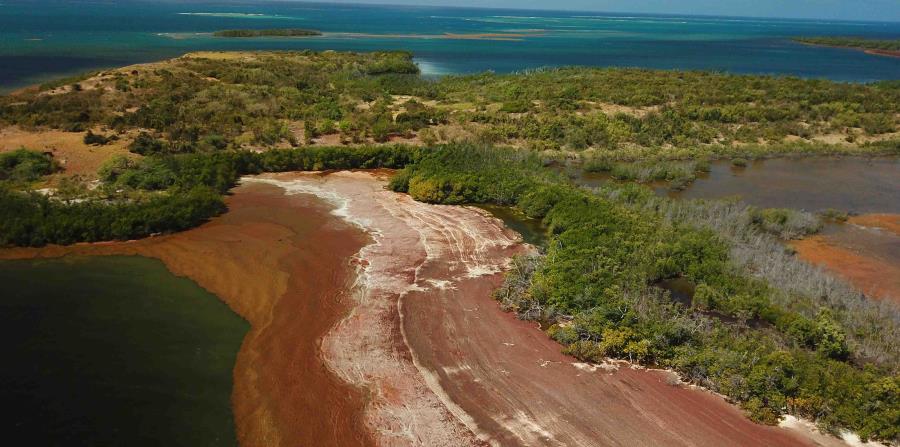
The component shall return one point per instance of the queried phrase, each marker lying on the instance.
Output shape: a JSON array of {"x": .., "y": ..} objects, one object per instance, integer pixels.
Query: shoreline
[
  {"x": 246, "y": 257},
  {"x": 870, "y": 51},
  {"x": 367, "y": 348},
  {"x": 859, "y": 251},
  {"x": 425, "y": 306},
  {"x": 419, "y": 351}
]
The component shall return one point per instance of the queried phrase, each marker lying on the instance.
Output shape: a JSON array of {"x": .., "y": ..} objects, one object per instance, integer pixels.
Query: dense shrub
[
  {"x": 158, "y": 193},
  {"x": 595, "y": 282},
  {"x": 23, "y": 165}
]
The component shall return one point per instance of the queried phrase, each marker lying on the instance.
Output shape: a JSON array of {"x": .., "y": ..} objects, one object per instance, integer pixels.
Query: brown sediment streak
[
  {"x": 872, "y": 51},
  {"x": 281, "y": 263},
  {"x": 888, "y": 222},
  {"x": 877, "y": 278},
  {"x": 888, "y": 53},
  {"x": 445, "y": 366}
]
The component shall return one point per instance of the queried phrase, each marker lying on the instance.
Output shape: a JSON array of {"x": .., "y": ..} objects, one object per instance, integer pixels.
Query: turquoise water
[
  {"x": 113, "y": 351},
  {"x": 41, "y": 39}
]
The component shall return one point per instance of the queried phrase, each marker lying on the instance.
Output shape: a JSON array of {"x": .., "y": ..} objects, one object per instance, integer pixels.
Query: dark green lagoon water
[
  {"x": 533, "y": 231},
  {"x": 114, "y": 351}
]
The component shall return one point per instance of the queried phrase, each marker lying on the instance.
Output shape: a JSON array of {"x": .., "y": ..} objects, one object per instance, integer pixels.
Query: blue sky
[{"x": 882, "y": 10}]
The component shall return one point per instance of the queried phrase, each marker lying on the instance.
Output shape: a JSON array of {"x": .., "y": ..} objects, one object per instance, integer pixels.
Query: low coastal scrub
[
  {"x": 211, "y": 102},
  {"x": 679, "y": 174},
  {"x": 23, "y": 165},
  {"x": 35, "y": 219},
  {"x": 278, "y": 32},
  {"x": 853, "y": 42},
  {"x": 93, "y": 139},
  {"x": 159, "y": 194},
  {"x": 746, "y": 336},
  {"x": 771, "y": 333}
]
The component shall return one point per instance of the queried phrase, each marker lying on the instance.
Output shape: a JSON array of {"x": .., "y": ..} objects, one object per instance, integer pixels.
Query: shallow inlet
[
  {"x": 114, "y": 351},
  {"x": 850, "y": 184},
  {"x": 865, "y": 251},
  {"x": 866, "y": 256},
  {"x": 282, "y": 394},
  {"x": 533, "y": 231}
]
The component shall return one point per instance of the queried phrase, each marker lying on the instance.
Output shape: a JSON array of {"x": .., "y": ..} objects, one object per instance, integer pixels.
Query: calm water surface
[
  {"x": 114, "y": 351},
  {"x": 41, "y": 39},
  {"x": 850, "y": 184},
  {"x": 857, "y": 185},
  {"x": 532, "y": 231},
  {"x": 854, "y": 185}
]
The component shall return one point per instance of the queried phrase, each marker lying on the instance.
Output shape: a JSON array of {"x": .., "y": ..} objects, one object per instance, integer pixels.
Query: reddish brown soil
[
  {"x": 68, "y": 148},
  {"x": 281, "y": 263},
  {"x": 877, "y": 278},
  {"x": 441, "y": 364},
  {"x": 888, "y": 53},
  {"x": 888, "y": 222},
  {"x": 437, "y": 353}
]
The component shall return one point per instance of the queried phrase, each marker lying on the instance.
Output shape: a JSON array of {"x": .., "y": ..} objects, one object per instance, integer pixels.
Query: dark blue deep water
[{"x": 40, "y": 39}]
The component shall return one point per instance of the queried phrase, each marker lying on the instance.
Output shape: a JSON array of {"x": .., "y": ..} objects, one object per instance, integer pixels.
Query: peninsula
[{"x": 878, "y": 47}]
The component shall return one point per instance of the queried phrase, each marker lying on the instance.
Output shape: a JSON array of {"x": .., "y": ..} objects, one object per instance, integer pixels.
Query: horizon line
[{"x": 566, "y": 10}]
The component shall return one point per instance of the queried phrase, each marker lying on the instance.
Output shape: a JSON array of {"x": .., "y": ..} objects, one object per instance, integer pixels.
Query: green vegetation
[
  {"x": 35, "y": 219},
  {"x": 209, "y": 102},
  {"x": 767, "y": 331},
  {"x": 618, "y": 109},
  {"x": 156, "y": 194},
  {"x": 679, "y": 174},
  {"x": 23, "y": 165},
  {"x": 772, "y": 350},
  {"x": 853, "y": 42},
  {"x": 93, "y": 139},
  {"x": 279, "y": 32}
]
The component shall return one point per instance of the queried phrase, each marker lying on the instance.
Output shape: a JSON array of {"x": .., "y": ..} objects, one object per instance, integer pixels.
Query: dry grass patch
[{"x": 67, "y": 148}]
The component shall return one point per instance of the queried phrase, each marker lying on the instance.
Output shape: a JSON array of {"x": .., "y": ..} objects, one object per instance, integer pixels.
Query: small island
[
  {"x": 279, "y": 32},
  {"x": 880, "y": 47}
]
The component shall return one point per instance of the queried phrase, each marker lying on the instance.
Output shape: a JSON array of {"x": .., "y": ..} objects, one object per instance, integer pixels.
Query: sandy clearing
[{"x": 68, "y": 149}]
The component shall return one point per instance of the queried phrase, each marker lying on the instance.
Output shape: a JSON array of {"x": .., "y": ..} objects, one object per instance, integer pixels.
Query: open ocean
[{"x": 42, "y": 39}]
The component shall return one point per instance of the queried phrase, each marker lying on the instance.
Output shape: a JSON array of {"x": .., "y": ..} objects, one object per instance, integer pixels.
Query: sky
[{"x": 880, "y": 10}]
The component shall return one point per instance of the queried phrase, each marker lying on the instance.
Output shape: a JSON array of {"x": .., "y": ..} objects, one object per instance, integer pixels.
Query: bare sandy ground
[
  {"x": 442, "y": 362},
  {"x": 68, "y": 148}
]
